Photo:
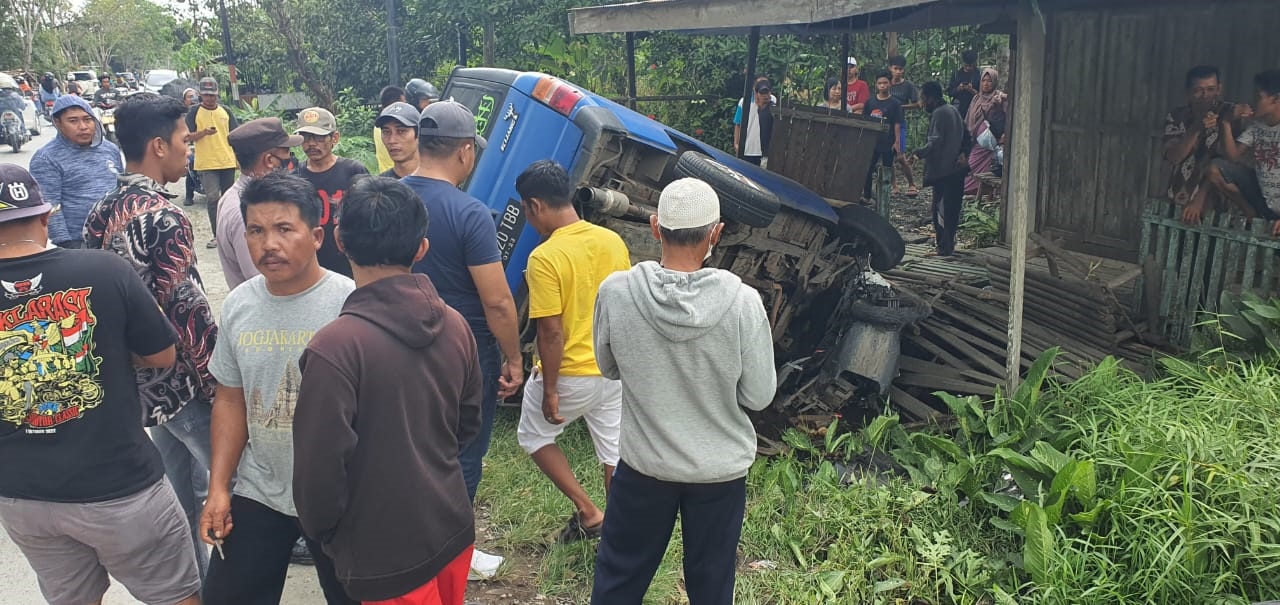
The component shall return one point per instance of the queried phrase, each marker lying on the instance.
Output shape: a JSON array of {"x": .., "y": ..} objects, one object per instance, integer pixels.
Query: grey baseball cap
[
  {"x": 399, "y": 111},
  {"x": 449, "y": 119}
]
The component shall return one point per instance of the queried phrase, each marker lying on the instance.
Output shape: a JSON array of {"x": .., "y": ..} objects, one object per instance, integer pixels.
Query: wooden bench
[{"x": 989, "y": 185}]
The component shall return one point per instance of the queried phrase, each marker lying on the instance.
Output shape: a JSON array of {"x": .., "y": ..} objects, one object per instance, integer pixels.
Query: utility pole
[
  {"x": 393, "y": 43},
  {"x": 228, "y": 56},
  {"x": 464, "y": 42}
]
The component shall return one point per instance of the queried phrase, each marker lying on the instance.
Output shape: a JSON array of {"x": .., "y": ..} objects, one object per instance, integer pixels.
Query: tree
[
  {"x": 30, "y": 17},
  {"x": 135, "y": 32}
]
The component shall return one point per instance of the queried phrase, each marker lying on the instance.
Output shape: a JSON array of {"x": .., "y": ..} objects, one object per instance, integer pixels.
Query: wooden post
[
  {"x": 844, "y": 73},
  {"x": 1024, "y": 155},
  {"x": 748, "y": 89},
  {"x": 631, "y": 70}
]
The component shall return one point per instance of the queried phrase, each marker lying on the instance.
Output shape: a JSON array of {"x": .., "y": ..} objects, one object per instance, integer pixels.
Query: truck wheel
[
  {"x": 873, "y": 235},
  {"x": 742, "y": 200}
]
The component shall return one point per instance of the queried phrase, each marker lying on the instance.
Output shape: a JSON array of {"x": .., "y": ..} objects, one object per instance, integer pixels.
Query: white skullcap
[
  {"x": 852, "y": 61},
  {"x": 688, "y": 203}
]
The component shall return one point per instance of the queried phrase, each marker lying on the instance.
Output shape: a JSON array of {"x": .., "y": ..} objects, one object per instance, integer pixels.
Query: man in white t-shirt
[
  {"x": 1258, "y": 147},
  {"x": 267, "y": 322}
]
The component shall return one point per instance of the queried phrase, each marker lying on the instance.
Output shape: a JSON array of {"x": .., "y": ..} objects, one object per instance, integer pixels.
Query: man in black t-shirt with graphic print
[
  {"x": 331, "y": 175},
  {"x": 82, "y": 488},
  {"x": 884, "y": 107}
]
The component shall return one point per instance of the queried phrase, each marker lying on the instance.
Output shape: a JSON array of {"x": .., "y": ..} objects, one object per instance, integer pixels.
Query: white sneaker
[{"x": 483, "y": 565}]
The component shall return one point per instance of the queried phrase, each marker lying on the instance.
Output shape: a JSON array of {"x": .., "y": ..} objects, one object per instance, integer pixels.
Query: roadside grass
[
  {"x": 807, "y": 538},
  {"x": 527, "y": 512}
]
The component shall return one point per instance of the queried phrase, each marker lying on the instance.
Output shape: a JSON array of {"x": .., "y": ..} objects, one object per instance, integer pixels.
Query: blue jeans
[
  {"x": 183, "y": 442},
  {"x": 472, "y": 454}
]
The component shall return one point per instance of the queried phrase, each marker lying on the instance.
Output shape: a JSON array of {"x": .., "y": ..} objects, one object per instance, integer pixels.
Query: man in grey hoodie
[
  {"x": 75, "y": 170},
  {"x": 693, "y": 349}
]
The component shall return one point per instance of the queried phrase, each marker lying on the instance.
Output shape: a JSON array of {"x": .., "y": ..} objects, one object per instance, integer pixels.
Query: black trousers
[
  {"x": 257, "y": 559},
  {"x": 637, "y": 528},
  {"x": 948, "y": 197}
]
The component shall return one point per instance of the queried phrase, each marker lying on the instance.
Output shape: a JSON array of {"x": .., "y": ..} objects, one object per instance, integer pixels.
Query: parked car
[
  {"x": 157, "y": 78},
  {"x": 86, "y": 79},
  {"x": 813, "y": 264}
]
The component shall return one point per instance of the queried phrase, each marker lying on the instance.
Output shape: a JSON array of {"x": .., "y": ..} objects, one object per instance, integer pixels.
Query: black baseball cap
[{"x": 19, "y": 194}]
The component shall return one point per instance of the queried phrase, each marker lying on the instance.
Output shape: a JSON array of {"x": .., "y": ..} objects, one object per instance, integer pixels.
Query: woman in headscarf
[{"x": 987, "y": 112}]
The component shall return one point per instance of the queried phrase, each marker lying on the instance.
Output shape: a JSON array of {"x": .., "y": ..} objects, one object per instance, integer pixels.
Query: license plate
[{"x": 510, "y": 225}]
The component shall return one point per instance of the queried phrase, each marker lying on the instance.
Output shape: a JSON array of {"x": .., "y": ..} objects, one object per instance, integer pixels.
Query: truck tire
[
  {"x": 873, "y": 235},
  {"x": 742, "y": 200}
]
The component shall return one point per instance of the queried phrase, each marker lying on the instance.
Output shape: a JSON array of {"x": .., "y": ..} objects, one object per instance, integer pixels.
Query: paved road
[{"x": 17, "y": 580}]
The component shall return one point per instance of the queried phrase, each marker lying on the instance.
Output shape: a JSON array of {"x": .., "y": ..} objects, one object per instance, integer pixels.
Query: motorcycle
[
  {"x": 106, "y": 112},
  {"x": 14, "y": 134}
]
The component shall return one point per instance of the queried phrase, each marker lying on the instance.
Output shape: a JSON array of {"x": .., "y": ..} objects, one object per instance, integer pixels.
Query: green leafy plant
[
  {"x": 1251, "y": 324},
  {"x": 980, "y": 224}
]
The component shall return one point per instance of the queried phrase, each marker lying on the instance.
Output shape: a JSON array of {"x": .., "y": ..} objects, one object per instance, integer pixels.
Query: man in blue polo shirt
[{"x": 466, "y": 268}]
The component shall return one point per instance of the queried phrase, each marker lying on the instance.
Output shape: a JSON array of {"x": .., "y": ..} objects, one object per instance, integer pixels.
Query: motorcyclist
[
  {"x": 11, "y": 99},
  {"x": 23, "y": 87},
  {"x": 49, "y": 92},
  {"x": 105, "y": 97},
  {"x": 421, "y": 93}
]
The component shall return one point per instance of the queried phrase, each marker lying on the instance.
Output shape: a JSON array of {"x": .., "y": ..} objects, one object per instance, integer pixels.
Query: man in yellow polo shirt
[
  {"x": 564, "y": 273},
  {"x": 210, "y": 122}
]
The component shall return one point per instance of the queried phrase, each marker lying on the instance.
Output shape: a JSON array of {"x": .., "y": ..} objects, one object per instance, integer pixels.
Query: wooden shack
[
  {"x": 1103, "y": 74},
  {"x": 1091, "y": 83}
]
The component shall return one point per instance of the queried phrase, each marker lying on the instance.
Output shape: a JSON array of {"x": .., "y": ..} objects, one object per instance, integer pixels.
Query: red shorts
[{"x": 449, "y": 587}]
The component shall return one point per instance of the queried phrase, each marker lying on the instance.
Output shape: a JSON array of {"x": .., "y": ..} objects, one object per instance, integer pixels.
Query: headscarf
[{"x": 985, "y": 103}]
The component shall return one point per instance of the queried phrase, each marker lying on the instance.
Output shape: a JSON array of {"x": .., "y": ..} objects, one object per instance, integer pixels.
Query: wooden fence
[{"x": 1187, "y": 267}]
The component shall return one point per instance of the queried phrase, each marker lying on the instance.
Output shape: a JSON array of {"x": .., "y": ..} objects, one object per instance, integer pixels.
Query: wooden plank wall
[
  {"x": 827, "y": 153},
  {"x": 1112, "y": 75}
]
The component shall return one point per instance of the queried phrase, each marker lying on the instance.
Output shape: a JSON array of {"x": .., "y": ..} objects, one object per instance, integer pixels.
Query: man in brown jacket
[{"x": 389, "y": 391}]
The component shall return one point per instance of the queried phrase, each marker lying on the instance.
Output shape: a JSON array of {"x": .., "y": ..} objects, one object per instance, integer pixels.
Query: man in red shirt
[{"x": 857, "y": 93}]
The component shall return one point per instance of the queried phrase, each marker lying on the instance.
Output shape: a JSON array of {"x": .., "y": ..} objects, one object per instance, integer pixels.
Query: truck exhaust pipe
[{"x": 610, "y": 202}]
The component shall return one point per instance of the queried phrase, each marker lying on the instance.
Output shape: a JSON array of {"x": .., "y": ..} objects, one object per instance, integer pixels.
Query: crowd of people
[
  {"x": 965, "y": 139},
  {"x": 346, "y": 396},
  {"x": 1225, "y": 156}
]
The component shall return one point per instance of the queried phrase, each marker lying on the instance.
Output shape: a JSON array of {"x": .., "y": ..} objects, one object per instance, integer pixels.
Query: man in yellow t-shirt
[
  {"x": 564, "y": 273},
  {"x": 210, "y": 122}
]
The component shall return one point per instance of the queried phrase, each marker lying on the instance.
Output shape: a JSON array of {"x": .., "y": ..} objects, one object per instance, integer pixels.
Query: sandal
[
  {"x": 574, "y": 531},
  {"x": 912, "y": 192}
]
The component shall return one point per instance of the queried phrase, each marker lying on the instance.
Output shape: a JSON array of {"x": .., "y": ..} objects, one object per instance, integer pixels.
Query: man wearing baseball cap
[
  {"x": 261, "y": 147},
  {"x": 398, "y": 131},
  {"x": 82, "y": 490},
  {"x": 331, "y": 175},
  {"x": 693, "y": 349},
  {"x": 466, "y": 268},
  {"x": 210, "y": 122},
  {"x": 856, "y": 93}
]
